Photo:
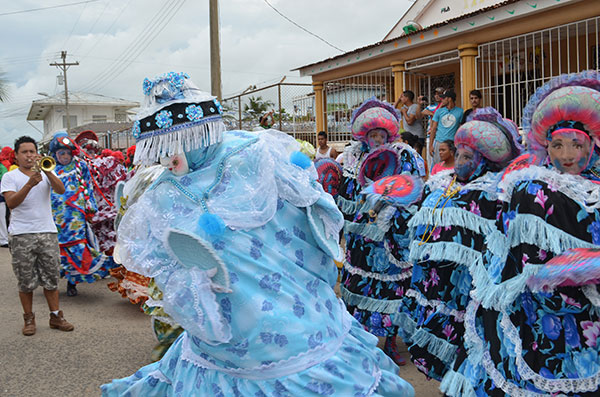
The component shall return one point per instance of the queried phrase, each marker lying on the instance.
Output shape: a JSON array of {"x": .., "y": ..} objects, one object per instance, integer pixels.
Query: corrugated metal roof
[
  {"x": 437, "y": 25},
  {"x": 84, "y": 98}
]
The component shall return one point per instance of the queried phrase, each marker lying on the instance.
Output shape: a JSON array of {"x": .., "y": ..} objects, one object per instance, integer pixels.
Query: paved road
[{"x": 112, "y": 339}]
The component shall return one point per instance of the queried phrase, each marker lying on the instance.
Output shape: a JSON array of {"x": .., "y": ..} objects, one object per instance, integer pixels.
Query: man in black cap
[{"x": 444, "y": 124}]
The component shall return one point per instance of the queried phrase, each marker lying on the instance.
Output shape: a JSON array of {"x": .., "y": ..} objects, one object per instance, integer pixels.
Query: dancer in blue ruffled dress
[
  {"x": 376, "y": 270},
  {"x": 533, "y": 328},
  {"x": 451, "y": 226},
  {"x": 240, "y": 237}
]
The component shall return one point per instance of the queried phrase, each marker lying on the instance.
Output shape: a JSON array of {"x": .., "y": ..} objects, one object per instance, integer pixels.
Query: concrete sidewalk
[{"x": 112, "y": 339}]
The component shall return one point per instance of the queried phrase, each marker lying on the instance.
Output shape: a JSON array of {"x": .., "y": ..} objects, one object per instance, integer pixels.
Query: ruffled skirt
[{"x": 357, "y": 369}]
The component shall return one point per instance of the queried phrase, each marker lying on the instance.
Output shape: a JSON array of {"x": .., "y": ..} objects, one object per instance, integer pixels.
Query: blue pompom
[
  {"x": 211, "y": 224},
  {"x": 300, "y": 159}
]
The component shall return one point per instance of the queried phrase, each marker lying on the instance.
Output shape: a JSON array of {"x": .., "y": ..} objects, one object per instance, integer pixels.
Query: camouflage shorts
[{"x": 35, "y": 260}]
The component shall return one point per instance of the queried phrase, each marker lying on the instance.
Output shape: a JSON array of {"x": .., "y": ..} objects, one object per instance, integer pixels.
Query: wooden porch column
[
  {"x": 467, "y": 53},
  {"x": 398, "y": 69},
  {"x": 320, "y": 115}
]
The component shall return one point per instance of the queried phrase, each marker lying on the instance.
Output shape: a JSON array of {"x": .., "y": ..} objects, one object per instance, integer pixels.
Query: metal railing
[
  {"x": 343, "y": 96},
  {"x": 510, "y": 70},
  {"x": 292, "y": 104}
]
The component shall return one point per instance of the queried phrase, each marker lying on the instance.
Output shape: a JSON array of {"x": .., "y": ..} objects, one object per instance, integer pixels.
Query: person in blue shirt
[{"x": 444, "y": 124}]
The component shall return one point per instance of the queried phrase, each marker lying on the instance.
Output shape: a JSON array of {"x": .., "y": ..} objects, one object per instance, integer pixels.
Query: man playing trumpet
[{"x": 32, "y": 233}]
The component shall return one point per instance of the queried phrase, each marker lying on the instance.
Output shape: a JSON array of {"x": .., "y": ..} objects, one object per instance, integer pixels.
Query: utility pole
[
  {"x": 215, "y": 50},
  {"x": 64, "y": 66}
]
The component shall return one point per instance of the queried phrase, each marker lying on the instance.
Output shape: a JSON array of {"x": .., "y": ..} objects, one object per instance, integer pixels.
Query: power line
[
  {"x": 131, "y": 47},
  {"x": 144, "y": 42},
  {"x": 47, "y": 8},
  {"x": 94, "y": 24},
  {"x": 75, "y": 25},
  {"x": 108, "y": 29},
  {"x": 306, "y": 30}
]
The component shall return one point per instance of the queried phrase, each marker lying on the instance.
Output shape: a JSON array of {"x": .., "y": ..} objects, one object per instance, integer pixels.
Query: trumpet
[{"x": 46, "y": 163}]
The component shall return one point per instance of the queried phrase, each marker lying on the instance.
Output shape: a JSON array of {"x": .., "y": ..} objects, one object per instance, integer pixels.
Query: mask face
[
  {"x": 570, "y": 151},
  {"x": 376, "y": 138},
  {"x": 466, "y": 162},
  {"x": 63, "y": 156},
  {"x": 177, "y": 164}
]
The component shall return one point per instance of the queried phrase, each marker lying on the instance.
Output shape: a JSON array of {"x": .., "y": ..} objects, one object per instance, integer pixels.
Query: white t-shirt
[{"x": 34, "y": 214}]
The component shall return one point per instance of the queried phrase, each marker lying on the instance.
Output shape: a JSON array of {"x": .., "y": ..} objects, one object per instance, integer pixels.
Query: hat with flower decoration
[
  {"x": 570, "y": 101},
  {"x": 375, "y": 114},
  {"x": 176, "y": 118},
  {"x": 493, "y": 136}
]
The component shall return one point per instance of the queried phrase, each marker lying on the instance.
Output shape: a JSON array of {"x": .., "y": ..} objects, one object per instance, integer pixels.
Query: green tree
[{"x": 257, "y": 106}]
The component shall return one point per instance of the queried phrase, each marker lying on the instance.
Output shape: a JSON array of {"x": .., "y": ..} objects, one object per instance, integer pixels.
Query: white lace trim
[
  {"x": 441, "y": 180},
  {"x": 392, "y": 258},
  {"x": 578, "y": 385},
  {"x": 377, "y": 276},
  {"x": 591, "y": 292},
  {"x": 281, "y": 368},
  {"x": 438, "y": 305},
  {"x": 479, "y": 355},
  {"x": 576, "y": 187},
  {"x": 351, "y": 159},
  {"x": 377, "y": 375},
  {"x": 160, "y": 376}
]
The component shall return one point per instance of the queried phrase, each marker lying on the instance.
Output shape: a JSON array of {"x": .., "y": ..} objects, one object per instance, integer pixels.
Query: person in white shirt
[
  {"x": 32, "y": 233},
  {"x": 323, "y": 149}
]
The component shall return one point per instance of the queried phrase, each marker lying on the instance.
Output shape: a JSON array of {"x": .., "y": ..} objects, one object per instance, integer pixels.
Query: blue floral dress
[
  {"x": 80, "y": 259},
  {"x": 376, "y": 271},
  {"x": 451, "y": 227},
  {"x": 242, "y": 249},
  {"x": 523, "y": 341}
]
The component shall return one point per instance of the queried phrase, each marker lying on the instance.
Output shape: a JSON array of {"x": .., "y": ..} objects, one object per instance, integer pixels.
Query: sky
[{"x": 120, "y": 42}]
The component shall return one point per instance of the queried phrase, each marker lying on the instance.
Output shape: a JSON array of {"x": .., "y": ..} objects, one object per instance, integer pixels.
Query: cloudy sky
[{"x": 119, "y": 42}]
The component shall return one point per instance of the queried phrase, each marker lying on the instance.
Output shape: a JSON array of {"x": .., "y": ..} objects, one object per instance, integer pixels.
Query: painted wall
[
  {"x": 54, "y": 121},
  {"x": 438, "y": 11}
]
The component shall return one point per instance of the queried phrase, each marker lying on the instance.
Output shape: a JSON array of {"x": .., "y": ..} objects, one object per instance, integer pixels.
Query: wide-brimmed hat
[
  {"x": 176, "y": 117},
  {"x": 375, "y": 114},
  {"x": 565, "y": 101},
  {"x": 488, "y": 133}
]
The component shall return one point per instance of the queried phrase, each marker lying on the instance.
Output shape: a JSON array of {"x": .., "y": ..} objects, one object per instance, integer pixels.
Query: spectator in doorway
[
  {"x": 32, "y": 233},
  {"x": 323, "y": 149},
  {"x": 444, "y": 124},
  {"x": 446, "y": 150},
  {"x": 475, "y": 100},
  {"x": 430, "y": 109},
  {"x": 411, "y": 115}
]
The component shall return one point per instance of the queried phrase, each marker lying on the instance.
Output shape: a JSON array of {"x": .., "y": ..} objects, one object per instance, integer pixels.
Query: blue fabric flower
[
  {"x": 586, "y": 362},
  {"x": 551, "y": 326},
  {"x": 136, "y": 130},
  {"x": 378, "y": 260},
  {"x": 533, "y": 188},
  {"x": 527, "y": 304},
  {"x": 594, "y": 230},
  {"x": 164, "y": 119},
  {"x": 218, "y": 105},
  {"x": 194, "y": 112},
  {"x": 570, "y": 327},
  {"x": 147, "y": 86}
]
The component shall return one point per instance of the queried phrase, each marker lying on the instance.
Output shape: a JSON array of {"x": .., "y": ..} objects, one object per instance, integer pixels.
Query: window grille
[
  {"x": 510, "y": 70},
  {"x": 343, "y": 96}
]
